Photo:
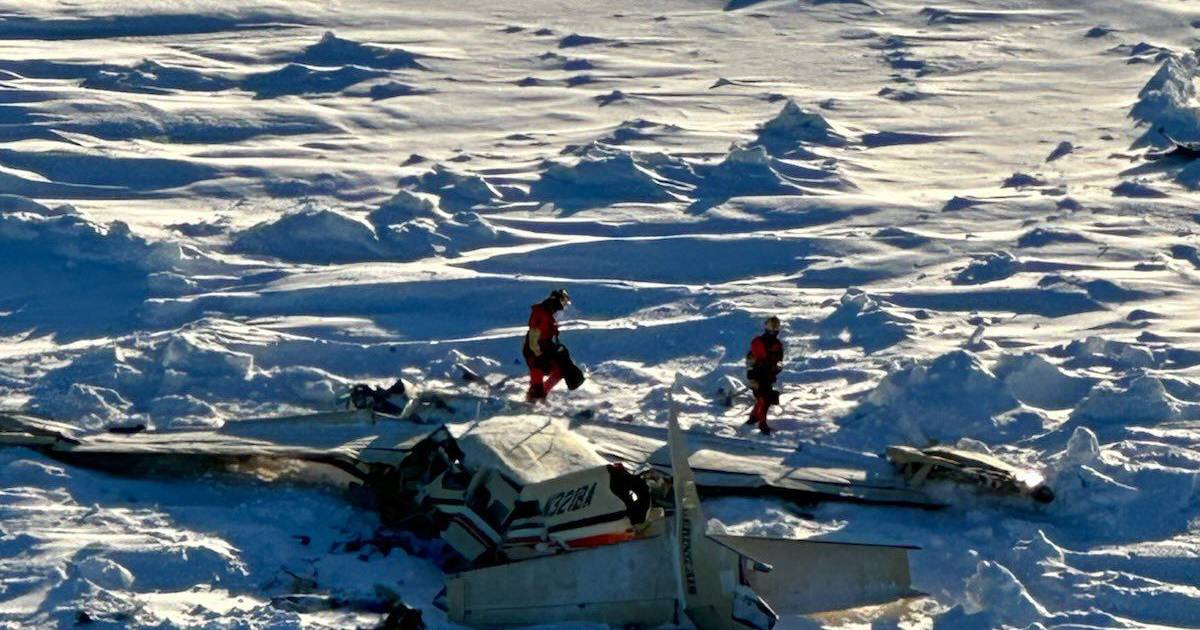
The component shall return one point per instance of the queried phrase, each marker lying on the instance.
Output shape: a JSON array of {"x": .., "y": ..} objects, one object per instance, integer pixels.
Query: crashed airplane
[{"x": 552, "y": 523}]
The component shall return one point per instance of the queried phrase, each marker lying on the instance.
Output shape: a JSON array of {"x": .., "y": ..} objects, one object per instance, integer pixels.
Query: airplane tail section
[
  {"x": 739, "y": 582},
  {"x": 712, "y": 578}
]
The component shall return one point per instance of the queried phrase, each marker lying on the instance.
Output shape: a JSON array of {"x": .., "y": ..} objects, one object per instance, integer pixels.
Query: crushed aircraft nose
[{"x": 969, "y": 467}]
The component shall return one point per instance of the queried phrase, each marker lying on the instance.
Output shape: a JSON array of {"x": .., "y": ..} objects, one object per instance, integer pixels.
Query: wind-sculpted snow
[
  {"x": 608, "y": 177},
  {"x": 335, "y": 51},
  {"x": 155, "y": 78},
  {"x": 860, "y": 320},
  {"x": 606, "y": 174},
  {"x": 922, "y": 402},
  {"x": 786, "y": 133},
  {"x": 404, "y": 228},
  {"x": 455, "y": 191},
  {"x": 977, "y": 222},
  {"x": 85, "y": 169},
  {"x": 295, "y": 78},
  {"x": 83, "y": 27}
]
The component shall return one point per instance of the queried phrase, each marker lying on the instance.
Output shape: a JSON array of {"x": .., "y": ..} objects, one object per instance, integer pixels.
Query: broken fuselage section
[{"x": 494, "y": 503}]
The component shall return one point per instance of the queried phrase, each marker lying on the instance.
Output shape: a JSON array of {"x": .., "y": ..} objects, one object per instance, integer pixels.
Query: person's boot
[
  {"x": 536, "y": 394},
  {"x": 762, "y": 426}
]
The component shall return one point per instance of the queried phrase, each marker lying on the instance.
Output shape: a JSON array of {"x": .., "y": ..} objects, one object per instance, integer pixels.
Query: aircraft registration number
[{"x": 570, "y": 500}]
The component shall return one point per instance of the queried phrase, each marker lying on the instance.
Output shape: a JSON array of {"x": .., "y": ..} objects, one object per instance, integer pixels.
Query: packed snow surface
[{"x": 977, "y": 219}]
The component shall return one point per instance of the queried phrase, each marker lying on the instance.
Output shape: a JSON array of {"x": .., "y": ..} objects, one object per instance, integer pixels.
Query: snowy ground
[{"x": 215, "y": 210}]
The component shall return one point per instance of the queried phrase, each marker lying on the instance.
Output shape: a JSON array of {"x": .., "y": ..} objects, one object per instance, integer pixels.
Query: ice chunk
[
  {"x": 104, "y": 573},
  {"x": 793, "y": 127},
  {"x": 1136, "y": 400},
  {"x": 861, "y": 320},
  {"x": 994, "y": 589}
]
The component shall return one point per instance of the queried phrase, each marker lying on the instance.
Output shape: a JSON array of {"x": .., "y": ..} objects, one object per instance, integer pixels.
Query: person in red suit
[
  {"x": 542, "y": 350},
  {"x": 762, "y": 369}
]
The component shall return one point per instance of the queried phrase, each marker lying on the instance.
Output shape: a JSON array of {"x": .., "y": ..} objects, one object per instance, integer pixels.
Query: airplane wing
[
  {"x": 343, "y": 439},
  {"x": 527, "y": 447},
  {"x": 732, "y": 466}
]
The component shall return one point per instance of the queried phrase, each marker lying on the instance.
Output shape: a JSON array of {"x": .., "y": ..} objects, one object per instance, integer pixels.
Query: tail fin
[{"x": 710, "y": 576}]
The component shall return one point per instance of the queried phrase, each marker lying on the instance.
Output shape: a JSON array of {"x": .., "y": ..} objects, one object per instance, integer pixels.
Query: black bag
[{"x": 572, "y": 375}]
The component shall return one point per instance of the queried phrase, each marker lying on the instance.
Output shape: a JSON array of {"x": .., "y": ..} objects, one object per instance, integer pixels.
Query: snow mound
[
  {"x": 406, "y": 227},
  {"x": 575, "y": 40},
  {"x": 606, "y": 174},
  {"x": 1167, "y": 104},
  {"x": 180, "y": 378},
  {"x": 104, "y": 573},
  {"x": 419, "y": 238},
  {"x": 1036, "y": 382},
  {"x": 394, "y": 89},
  {"x": 996, "y": 592},
  {"x": 1041, "y": 237},
  {"x": 189, "y": 126},
  {"x": 1189, "y": 176},
  {"x": 66, "y": 233},
  {"x": 403, "y": 206},
  {"x": 1083, "y": 449},
  {"x": 1137, "y": 190},
  {"x": 313, "y": 235},
  {"x": 1109, "y": 489},
  {"x": 151, "y": 77},
  {"x": 1097, "y": 351},
  {"x": 923, "y": 402},
  {"x": 957, "y": 203},
  {"x": 751, "y": 172},
  {"x": 184, "y": 411},
  {"x": 793, "y": 127},
  {"x": 604, "y": 177},
  {"x": 1133, "y": 400},
  {"x": 10, "y": 204},
  {"x": 411, "y": 227},
  {"x": 1190, "y": 253},
  {"x": 1022, "y": 180},
  {"x": 1063, "y": 148},
  {"x": 860, "y": 320},
  {"x": 456, "y": 191},
  {"x": 988, "y": 268},
  {"x": 296, "y": 78},
  {"x": 335, "y": 51},
  {"x": 91, "y": 407}
]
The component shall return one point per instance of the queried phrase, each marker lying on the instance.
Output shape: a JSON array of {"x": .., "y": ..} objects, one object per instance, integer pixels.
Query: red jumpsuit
[
  {"x": 766, "y": 353},
  {"x": 544, "y": 372}
]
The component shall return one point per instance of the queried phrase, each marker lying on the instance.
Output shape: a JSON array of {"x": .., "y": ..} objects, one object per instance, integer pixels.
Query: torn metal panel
[
  {"x": 615, "y": 585},
  {"x": 809, "y": 576}
]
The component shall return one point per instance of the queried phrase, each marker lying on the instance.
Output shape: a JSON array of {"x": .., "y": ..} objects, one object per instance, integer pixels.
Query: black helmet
[
  {"x": 772, "y": 324},
  {"x": 560, "y": 296}
]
